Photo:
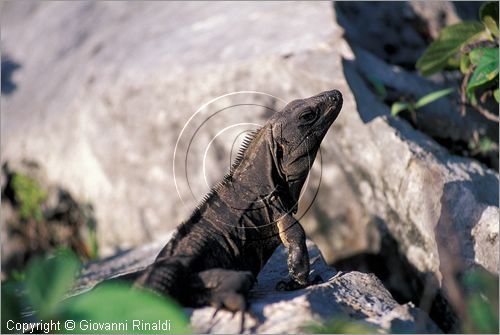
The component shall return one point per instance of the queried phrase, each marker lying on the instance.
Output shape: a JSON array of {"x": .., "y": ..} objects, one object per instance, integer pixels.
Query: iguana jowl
[{"x": 215, "y": 256}]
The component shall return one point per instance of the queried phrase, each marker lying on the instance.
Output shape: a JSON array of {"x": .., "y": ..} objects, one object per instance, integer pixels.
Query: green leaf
[
  {"x": 464, "y": 63},
  {"x": 492, "y": 25},
  {"x": 481, "y": 281},
  {"x": 11, "y": 305},
  {"x": 483, "y": 318},
  {"x": 481, "y": 55},
  {"x": 399, "y": 107},
  {"x": 471, "y": 96},
  {"x": 481, "y": 293},
  {"x": 435, "y": 58},
  {"x": 447, "y": 45},
  {"x": 428, "y": 98},
  {"x": 495, "y": 94},
  {"x": 91, "y": 235},
  {"x": 120, "y": 306},
  {"x": 379, "y": 87},
  {"x": 486, "y": 145},
  {"x": 489, "y": 15},
  {"x": 463, "y": 30},
  {"x": 453, "y": 62},
  {"x": 49, "y": 279},
  {"x": 340, "y": 325},
  {"x": 486, "y": 70}
]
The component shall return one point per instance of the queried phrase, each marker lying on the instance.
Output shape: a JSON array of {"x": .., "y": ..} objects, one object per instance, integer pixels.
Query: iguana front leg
[{"x": 294, "y": 238}]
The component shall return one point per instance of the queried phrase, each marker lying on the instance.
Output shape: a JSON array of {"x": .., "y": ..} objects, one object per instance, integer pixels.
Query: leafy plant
[
  {"x": 91, "y": 225},
  {"x": 400, "y": 106},
  {"x": 482, "y": 145},
  {"x": 120, "y": 304},
  {"x": 481, "y": 300},
  {"x": 442, "y": 51},
  {"x": 485, "y": 61},
  {"x": 43, "y": 226},
  {"x": 47, "y": 282},
  {"x": 378, "y": 87},
  {"x": 11, "y": 305},
  {"x": 29, "y": 195},
  {"x": 471, "y": 46}
]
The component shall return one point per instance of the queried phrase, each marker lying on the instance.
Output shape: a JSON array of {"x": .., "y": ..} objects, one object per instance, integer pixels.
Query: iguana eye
[{"x": 308, "y": 116}]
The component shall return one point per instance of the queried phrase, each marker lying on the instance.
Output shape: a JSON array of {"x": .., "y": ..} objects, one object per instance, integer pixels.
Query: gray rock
[
  {"x": 127, "y": 108},
  {"x": 123, "y": 262},
  {"x": 437, "y": 15},
  {"x": 430, "y": 203},
  {"x": 354, "y": 296},
  {"x": 414, "y": 185},
  {"x": 397, "y": 32},
  {"x": 104, "y": 90}
]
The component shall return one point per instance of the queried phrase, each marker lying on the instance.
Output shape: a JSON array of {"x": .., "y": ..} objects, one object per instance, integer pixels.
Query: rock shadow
[
  {"x": 467, "y": 10},
  {"x": 368, "y": 106},
  {"x": 403, "y": 280},
  {"x": 390, "y": 30},
  {"x": 456, "y": 237},
  {"x": 9, "y": 66}
]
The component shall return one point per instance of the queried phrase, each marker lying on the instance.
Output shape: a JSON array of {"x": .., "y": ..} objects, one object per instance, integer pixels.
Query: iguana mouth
[{"x": 335, "y": 100}]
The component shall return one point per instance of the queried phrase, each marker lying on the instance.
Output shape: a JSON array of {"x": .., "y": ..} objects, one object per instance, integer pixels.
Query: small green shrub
[
  {"x": 485, "y": 73},
  {"x": 378, "y": 87},
  {"x": 29, "y": 196},
  {"x": 47, "y": 282},
  {"x": 341, "y": 325},
  {"x": 400, "y": 106},
  {"x": 91, "y": 240},
  {"x": 442, "y": 53},
  {"x": 47, "y": 225},
  {"x": 481, "y": 299},
  {"x": 472, "y": 47},
  {"x": 483, "y": 146}
]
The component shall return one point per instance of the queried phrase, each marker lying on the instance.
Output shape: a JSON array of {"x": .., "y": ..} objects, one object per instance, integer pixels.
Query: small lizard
[{"x": 215, "y": 256}]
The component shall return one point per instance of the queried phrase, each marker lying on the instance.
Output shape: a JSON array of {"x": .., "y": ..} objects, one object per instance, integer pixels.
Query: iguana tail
[{"x": 165, "y": 276}]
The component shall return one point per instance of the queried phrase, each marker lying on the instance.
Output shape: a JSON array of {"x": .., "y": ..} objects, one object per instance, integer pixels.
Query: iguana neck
[
  {"x": 257, "y": 174},
  {"x": 256, "y": 169}
]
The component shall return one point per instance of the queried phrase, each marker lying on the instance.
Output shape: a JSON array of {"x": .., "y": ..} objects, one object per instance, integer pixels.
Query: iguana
[{"x": 215, "y": 256}]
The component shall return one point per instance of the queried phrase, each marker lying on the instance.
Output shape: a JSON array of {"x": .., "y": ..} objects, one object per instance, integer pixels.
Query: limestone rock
[
  {"x": 430, "y": 203},
  {"x": 398, "y": 33},
  {"x": 104, "y": 90},
  {"x": 354, "y": 296},
  {"x": 420, "y": 186}
]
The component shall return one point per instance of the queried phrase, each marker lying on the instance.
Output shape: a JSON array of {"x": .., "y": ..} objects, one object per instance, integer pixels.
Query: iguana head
[{"x": 297, "y": 132}]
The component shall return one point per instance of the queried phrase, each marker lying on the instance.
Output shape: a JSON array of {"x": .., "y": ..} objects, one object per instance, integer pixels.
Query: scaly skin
[{"x": 217, "y": 253}]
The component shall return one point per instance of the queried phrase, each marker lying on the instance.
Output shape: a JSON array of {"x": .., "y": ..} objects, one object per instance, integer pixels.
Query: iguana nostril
[{"x": 334, "y": 96}]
